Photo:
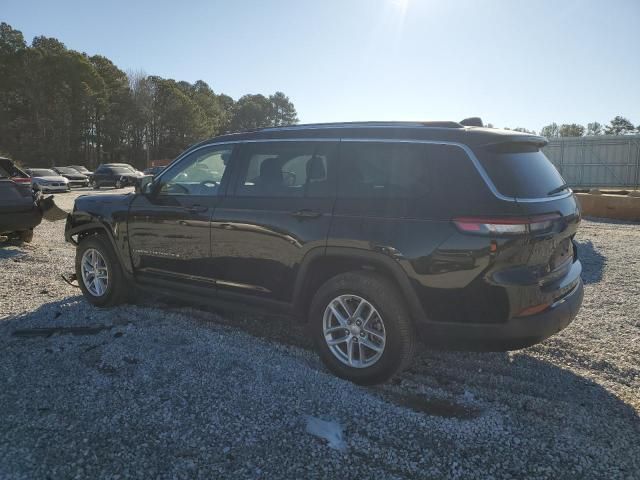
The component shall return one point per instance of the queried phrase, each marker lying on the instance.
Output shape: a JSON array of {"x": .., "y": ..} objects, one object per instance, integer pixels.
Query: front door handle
[
  {"x": 305, "y": 213},
  {"x": 197, "y": 209}
]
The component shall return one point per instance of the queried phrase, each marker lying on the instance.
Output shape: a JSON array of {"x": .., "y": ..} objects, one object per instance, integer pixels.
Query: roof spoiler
[
  {"x": 472, "y": 122},
  {"x": 528, "y": 139}
]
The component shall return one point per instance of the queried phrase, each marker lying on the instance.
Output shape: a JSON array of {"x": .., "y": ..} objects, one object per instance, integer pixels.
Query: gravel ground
[{"x": 180, "y": 392}]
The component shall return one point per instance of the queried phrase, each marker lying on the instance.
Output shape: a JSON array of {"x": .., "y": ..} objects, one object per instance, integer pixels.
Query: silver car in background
[{"x": 46, "y": 180}]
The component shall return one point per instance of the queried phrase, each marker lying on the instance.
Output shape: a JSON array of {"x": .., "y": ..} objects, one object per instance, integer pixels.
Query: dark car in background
[
  {"x": 116, "y": 175},
  {"x": 82, "y": 169},
  {"x": 76, "y": 179},
  {"x": 19, "y": 212},
  {"x": 374, "y": 234}
]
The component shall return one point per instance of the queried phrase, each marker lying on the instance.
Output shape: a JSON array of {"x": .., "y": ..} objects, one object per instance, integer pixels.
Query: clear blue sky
[{"x": 514, "y": 63}]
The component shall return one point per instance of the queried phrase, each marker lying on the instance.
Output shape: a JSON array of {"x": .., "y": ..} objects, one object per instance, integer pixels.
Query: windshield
[
  {"x": 80, "y": 169},
  {"x": 67, "y": 170},
  {"x": 43, "y": 172},
  {"x": 521, "y": 171}
]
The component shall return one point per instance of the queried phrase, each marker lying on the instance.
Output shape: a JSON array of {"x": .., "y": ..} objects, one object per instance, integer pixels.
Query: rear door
[
  {"x": 169, "y": 227},
  {"x": 279, "y": 211}
]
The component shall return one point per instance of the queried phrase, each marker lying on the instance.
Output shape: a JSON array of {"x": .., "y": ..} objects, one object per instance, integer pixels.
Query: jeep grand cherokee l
[{"x": 374, "y": 234}]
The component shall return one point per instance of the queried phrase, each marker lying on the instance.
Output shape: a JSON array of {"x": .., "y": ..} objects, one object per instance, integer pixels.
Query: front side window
[
  {"x": 200, "y": 173},
  {"x": 285, "y": 169}
]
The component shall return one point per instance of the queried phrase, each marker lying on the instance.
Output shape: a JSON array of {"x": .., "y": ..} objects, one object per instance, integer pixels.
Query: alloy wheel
[
  {"x": 95, "y": 273},
  {"x": 354, "y": 331}
]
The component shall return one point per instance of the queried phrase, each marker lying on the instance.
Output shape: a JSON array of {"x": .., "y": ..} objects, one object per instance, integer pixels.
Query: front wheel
[
  {"x": 99, "y": 272},
  {"x": 361, "y": 328}
]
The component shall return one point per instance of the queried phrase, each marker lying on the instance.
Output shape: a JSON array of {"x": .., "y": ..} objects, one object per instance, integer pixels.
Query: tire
[
  {"x": 116, "y": 291},
  {"x": 384, "y": 297}
]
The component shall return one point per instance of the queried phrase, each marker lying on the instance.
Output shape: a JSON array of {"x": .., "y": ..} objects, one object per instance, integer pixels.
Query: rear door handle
[
  {"x": 305, "y": 213},
  {"x": 197, "y": 209}
]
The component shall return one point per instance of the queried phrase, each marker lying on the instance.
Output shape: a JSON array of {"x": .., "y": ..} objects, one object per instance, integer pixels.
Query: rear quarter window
[
  {"x": 520, "y": 170},
  {"x": 413, "y": 180}
]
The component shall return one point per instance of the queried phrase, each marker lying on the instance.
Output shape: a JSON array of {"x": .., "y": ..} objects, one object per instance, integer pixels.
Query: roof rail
[{"x": 398, "y": 124}]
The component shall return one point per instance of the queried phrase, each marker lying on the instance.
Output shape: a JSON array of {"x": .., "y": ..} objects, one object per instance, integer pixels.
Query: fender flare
[
  {"x": 379, "y": 261},
  {"x": 96, "y": 225}
]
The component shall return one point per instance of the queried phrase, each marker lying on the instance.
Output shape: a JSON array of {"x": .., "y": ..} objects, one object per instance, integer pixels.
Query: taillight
[
  {"x": 505, "y": 226},
  {"x": 21, "y": 180}
]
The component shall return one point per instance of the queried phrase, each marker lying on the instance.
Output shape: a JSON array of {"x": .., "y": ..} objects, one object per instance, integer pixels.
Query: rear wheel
[
  {"x": 99, "y": 272},
  {"x": 361, "y": 328}
]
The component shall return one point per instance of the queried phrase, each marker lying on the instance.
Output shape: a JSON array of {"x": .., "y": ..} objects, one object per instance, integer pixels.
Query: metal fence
[{"x": 602, "y": 161}]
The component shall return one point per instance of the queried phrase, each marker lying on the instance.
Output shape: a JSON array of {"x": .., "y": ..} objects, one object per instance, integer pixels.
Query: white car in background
[{"x": 46, "y": 180}]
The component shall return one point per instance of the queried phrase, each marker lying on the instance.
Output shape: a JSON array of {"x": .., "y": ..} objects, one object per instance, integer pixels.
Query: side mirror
[{"x": 143, "y": 185}]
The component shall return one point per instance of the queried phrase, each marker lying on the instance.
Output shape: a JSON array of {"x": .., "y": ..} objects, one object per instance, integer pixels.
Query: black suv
[
  {"x": 374, "y": 234},
  {"x": 117, "y": 175}
]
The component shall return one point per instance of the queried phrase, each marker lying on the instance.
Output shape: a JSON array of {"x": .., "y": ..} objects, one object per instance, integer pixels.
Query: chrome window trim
[{"x": 474, "y": 160}]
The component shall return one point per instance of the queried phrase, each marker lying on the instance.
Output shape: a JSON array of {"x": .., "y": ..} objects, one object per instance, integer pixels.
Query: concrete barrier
[{"x": 619, "y": 207}]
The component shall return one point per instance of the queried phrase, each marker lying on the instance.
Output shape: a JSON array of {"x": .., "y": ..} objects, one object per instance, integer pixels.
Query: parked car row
[{"x": 63, "y": 179}]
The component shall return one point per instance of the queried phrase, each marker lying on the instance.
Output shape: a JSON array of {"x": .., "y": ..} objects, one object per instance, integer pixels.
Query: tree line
[
  {"x": 62, "y": 107},
  {"x": 619, "y": 125}
]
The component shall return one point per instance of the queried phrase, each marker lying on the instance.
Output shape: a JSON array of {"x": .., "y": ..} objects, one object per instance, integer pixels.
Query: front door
[
  {"x": 169, "y": 227},
  {"x": 280, "y": 210}
]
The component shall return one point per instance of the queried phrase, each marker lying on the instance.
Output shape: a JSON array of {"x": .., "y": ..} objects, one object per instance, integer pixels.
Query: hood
[
  {"x": 52, "y": 178},
  {"x": 99, "y": 203}
]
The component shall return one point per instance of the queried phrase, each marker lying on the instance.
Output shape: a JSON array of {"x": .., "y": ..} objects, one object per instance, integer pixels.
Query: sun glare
[{"x": 401, "y": 4}]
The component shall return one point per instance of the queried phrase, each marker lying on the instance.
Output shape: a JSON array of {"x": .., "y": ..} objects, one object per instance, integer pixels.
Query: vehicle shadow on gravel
[
  {"x": 449, "y": 384},
  {"x": 141, "y": 355},
  {"x": 593, "y": 262}
]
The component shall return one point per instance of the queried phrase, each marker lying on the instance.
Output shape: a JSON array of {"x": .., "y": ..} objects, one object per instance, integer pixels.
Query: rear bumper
[{"x": 518, "y": 332}]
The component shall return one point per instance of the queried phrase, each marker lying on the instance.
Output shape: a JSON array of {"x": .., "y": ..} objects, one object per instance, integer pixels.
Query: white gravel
[{"x": 171, "y": 391}]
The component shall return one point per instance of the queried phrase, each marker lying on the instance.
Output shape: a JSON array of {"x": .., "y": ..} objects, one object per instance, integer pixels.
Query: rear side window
[
  {"x": 413, "y": 180},
  {"x": 404, "y": 170},
  {"x": 520, "y": 170},
  {"x": 286, "y": 169}
]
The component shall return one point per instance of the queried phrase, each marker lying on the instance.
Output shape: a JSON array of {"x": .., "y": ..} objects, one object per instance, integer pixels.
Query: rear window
[{"x": 519, "y": 170}]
